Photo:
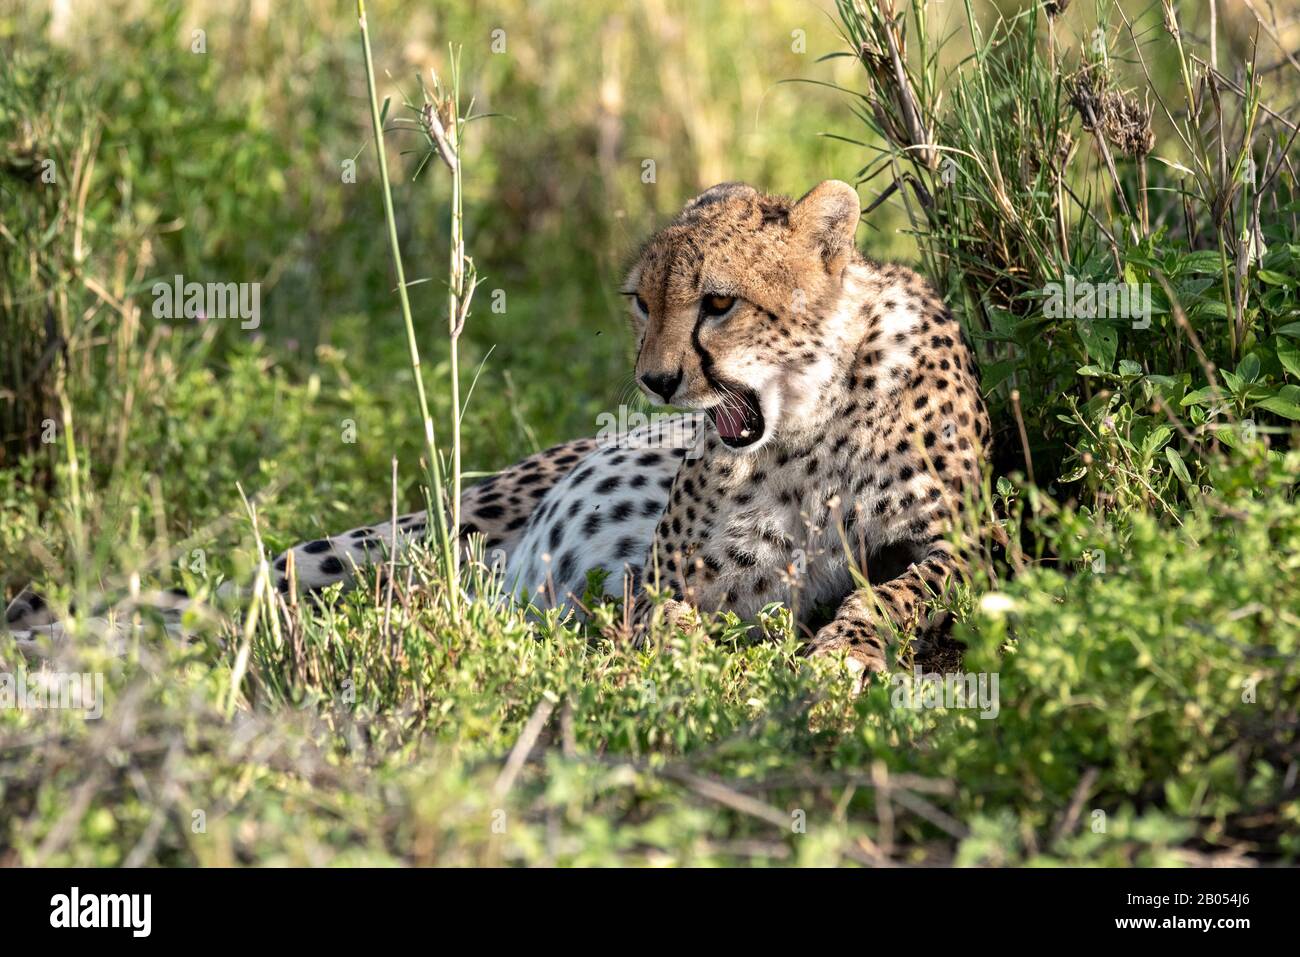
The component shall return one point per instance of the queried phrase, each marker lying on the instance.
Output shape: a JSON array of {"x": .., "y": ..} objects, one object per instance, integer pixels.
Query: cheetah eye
[
  {"x": 642, "y": 309},
  {"x": 715, "y": 305}
]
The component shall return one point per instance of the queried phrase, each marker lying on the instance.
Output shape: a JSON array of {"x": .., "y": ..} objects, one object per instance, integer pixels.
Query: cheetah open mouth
[{"x": 738, "y": 417}]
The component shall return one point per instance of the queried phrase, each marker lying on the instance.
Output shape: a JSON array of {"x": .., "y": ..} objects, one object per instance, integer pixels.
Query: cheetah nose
[{"x": 662, "y": 383}]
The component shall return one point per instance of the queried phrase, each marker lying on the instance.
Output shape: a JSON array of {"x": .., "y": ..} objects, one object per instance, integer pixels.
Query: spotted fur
[
  {"x": 601, "y": 515},
  {"x": 498, "y": 508}
]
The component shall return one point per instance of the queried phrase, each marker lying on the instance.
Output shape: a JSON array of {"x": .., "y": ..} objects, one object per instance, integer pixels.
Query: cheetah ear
[
  {"x": 716, "y": 194},
  {"x": 828, "y": 215}
]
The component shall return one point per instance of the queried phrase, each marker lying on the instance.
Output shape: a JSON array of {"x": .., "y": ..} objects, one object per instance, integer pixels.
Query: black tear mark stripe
[{"x": 706, "y": 358}]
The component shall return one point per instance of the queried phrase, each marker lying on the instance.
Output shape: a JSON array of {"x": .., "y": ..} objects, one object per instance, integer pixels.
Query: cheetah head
[{"x": 734, "y": 301}]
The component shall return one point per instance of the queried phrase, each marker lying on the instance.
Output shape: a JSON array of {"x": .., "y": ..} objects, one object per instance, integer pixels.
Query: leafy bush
[{"x": 1047, "y": 190}]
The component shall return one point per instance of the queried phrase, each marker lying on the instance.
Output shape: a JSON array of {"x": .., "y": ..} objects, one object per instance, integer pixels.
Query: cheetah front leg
[
  {"x": 868, "y": 618},
  {"x": 675, "y": 612}
]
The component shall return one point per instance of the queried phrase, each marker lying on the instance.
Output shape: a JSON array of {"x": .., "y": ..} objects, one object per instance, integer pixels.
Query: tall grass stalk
[
  {"x": 443, "y": 126},
  {"x": 261, "y": 596},
  {"x": 449, "y": 553}
]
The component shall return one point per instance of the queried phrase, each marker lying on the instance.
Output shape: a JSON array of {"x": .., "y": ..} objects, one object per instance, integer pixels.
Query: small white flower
[{"x": 996, "y": 604}]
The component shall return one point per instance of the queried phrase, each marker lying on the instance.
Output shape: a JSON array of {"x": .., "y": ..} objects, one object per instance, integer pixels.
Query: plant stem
[
  {"x": 455, "y": 297},
  {"x": 431, "y": 447}
]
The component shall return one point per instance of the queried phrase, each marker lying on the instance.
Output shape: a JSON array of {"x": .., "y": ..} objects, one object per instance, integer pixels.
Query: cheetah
[
  {"x": 834, "y": 433},
  {"x": 846, "y": 426},
  {"x": 849, "y": 429}
]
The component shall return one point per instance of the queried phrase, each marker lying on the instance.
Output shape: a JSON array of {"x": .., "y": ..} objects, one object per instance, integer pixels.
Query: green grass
[{"x": 1139, "y": 606}]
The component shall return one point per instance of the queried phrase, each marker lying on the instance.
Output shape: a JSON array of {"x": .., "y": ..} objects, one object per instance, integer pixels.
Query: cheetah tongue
[{"x": 730, "y": 418}]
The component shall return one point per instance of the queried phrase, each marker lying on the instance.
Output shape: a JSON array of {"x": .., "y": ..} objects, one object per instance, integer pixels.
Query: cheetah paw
[
  {"x": 678, "y": 615},
  {"x": 856, "y": 641}
]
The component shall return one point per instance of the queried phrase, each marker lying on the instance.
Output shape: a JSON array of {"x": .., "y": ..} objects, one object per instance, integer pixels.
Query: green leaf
[
  {"x": 1101, "y": 341},
  {"x": 1205, "y": 396},
  {"x": 996, "y": 373},
  {"x": 1280, "y": 406},
  {"x": 1289, "y": 356},
  {"x": 1192, "y": 288},
  {"x": 1177, "y": 464},
  {"x": 1154, "y": 442},
  {"x": 1249, "y": 368},
  {"x": 1271, "y": 278},
  {"x": 1211, "y": 308},
  {"x": 1204, "y": 261},
  {"x": 1281, "y": 257}
]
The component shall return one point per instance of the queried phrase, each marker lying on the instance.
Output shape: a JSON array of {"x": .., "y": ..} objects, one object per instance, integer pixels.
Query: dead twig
[
  {"x": 523, "y": 746},
  {"x": 1081, "y": 792}
]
